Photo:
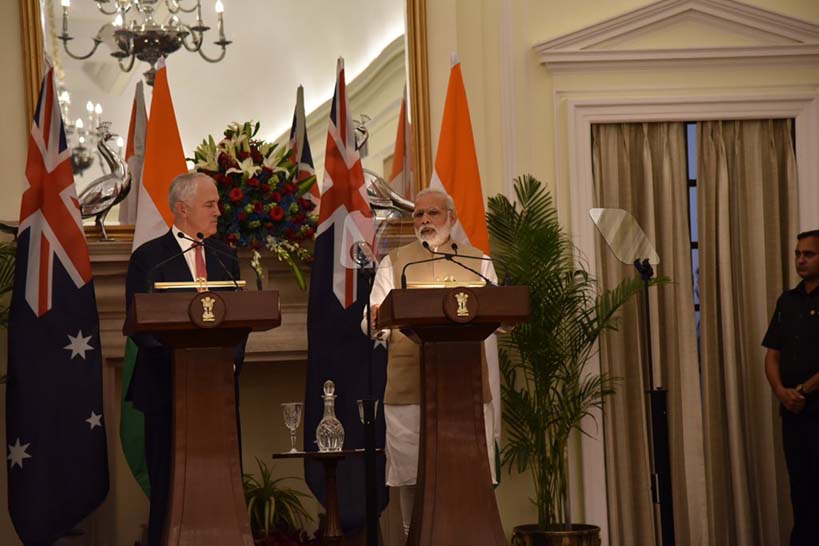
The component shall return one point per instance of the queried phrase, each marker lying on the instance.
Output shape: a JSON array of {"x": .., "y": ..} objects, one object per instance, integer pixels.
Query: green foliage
[
  {"x": 271, "y": 506},
  {"x": 546, "y": 390},
  {"x": 8, "y": 251}
]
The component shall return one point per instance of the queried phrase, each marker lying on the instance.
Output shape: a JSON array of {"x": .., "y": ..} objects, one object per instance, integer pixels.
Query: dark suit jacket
[{"x": 151, "y": 385}]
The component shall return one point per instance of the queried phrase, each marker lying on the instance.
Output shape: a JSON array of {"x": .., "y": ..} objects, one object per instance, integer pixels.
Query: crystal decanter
[{"x": 329, "y": 432}]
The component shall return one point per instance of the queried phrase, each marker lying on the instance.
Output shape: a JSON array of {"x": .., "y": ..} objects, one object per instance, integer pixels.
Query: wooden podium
[
  {"x": 455, "y": 500},
  {"x": 206, "y": 504}
]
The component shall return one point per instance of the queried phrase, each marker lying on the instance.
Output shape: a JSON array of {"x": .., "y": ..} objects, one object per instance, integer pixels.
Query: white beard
[{"x": 434, "y": 236}]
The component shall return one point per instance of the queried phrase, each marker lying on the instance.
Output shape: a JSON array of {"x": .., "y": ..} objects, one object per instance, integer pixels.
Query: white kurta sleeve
[{"x": 382, "y": 284}]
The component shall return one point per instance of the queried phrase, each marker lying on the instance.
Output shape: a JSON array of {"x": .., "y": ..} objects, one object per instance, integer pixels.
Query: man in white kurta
[{"x": 433, "y": 219}]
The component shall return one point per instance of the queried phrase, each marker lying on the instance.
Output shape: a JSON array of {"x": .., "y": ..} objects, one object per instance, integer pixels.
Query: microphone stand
[
  {"x": 451, "y": 258},
  {"x": 657, "y": 428},
  {"x": 368, "y": 402}
]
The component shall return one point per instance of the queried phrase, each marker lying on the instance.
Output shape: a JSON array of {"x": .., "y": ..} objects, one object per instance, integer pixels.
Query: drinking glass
[
  {"x": 292, "y": 419},
  {"x": 361, "y": 409}
]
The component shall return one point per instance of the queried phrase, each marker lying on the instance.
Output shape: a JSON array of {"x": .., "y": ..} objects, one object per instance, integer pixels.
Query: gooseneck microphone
[
  {"x": 451, "y": 258},
  {"x": 506, "y": 279},
  {"x": 404, "y": 269},
  {"x": 201, "y": 241},
  {"x": 152, "y": 271}
]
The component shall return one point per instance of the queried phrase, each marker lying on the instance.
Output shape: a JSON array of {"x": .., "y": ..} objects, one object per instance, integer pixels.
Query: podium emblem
[
  {"x": 462, "y": 298},
  {"x": 207, "y": 309},
  {"x": 461, "y": 304}
]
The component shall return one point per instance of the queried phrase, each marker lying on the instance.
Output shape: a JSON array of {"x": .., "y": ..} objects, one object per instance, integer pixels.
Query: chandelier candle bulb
[{"x": 66, "y": 4}]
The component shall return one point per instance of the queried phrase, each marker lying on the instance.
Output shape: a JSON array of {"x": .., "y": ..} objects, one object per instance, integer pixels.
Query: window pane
[
  {"x": 692, "y": 212},
  {"x": 695, "y": 268},
  {"x": 691, "y": 141}
]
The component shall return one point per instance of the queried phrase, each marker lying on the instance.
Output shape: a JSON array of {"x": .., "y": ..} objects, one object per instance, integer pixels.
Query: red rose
[
  {"x": 257, "y": 157},
  {"x": 267, "y": 171},
  {"x": 276, "y": 197},
  {"x": 236, "y": 194},
  {"x": 265, "y": 188},
  {"x": 241, "y": 156},
  {"x": 242, "y": 216},
  {"x": 277, "y": 213},
  {"x": 290, "y": 188},
  {"x": 299, "y": 218},
  {"x": 258, "y": 206},
  {"x": 253, "y": 182},
  {"x": 309, "y": 232}
]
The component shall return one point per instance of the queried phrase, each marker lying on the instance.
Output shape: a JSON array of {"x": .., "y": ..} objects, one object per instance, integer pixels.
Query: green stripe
[{"x": 132, "y": 424}]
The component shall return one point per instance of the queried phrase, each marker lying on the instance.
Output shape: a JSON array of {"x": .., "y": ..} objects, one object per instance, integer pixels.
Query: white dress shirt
[{"x": 184, "y": 245}]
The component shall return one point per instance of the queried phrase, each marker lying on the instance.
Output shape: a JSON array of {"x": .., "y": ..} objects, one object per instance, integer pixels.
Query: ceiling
[{"x": 277, "y": 45}]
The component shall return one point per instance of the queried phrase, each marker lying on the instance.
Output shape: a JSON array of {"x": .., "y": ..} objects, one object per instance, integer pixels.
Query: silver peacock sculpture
[
  {"x": 385, "y": 202},
  {"x": 102, "y": 194}
]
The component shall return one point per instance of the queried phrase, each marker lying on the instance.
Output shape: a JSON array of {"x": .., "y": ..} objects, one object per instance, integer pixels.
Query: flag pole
[{"x": 368, "y": 403}]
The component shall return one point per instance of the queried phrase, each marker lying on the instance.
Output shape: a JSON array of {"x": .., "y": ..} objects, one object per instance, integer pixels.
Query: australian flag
[
  {"x": 300, "y": 148},
  {"x": 337, "y": 348},
  {"x": 58, "y": 465}
]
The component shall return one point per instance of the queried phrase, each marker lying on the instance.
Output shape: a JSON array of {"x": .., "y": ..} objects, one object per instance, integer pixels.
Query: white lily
[
  {"x": 273, "y": 159},
  {"x": 246, "y": 167},
  {"x": 207, "y": 154}
]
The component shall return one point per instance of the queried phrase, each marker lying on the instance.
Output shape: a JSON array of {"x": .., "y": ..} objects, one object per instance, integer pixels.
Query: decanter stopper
[{"x": 329, "y": 433}]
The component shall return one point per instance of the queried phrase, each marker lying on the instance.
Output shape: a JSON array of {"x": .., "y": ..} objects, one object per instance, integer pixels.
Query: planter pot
[{"x": 573, "y": 534}]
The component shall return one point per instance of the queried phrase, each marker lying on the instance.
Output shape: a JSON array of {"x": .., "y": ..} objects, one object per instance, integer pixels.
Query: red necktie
[{"x": 199, "y": 261}]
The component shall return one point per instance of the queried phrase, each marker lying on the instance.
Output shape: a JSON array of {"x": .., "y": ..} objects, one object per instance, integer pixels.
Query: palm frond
[{"x": 546, "y": 390}]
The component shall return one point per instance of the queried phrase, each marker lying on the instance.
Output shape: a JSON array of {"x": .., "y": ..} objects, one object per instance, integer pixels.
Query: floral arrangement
[{"x": 261, "y": 202}]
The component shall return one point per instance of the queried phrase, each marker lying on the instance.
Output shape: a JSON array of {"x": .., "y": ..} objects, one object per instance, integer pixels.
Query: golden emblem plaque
[
  {"x": 461, "y": 304},
  {"x": 207, "y": 309}
]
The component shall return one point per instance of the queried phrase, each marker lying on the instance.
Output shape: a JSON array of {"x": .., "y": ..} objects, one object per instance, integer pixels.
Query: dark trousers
[
  {"x": 800, "y": 437},
  {"x": 158, "y": 437}
]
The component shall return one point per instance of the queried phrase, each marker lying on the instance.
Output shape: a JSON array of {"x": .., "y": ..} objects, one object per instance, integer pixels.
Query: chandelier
[
  {"x": 83, "y": 135},
  {"x": 137, "y": 35}
]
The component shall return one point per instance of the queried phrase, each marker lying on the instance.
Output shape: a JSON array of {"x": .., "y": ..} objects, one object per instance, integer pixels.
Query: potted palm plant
[
  {"x": 277, "y": 515},
  {"x": 546, "y": 389}
]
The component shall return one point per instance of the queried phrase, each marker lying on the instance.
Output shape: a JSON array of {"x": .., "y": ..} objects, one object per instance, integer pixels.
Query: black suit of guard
[{"x": 151, "y": 385}]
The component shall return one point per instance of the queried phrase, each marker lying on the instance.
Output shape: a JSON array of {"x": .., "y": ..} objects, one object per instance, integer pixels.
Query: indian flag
[
  {"x": 456, "y": 173},
  {"x": 164, "y": 160}
]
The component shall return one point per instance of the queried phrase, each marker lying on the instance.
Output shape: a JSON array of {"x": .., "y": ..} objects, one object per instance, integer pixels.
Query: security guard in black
[{"x": 792, "y": 369}]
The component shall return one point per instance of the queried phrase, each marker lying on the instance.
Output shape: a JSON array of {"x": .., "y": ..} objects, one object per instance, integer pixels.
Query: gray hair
[
  {"x": 184, "y": 186},
  {"x": 450, "y": 203}
]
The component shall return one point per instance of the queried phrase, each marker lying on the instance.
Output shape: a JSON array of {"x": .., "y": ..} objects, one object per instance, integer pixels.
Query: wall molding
[
  {"x": 779, "y": 38},
  {"x": 743, "y": 37}
]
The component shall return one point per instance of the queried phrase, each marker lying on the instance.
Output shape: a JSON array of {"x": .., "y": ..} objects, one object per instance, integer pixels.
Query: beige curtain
[
  {"x": 641, "y": 168},
  {"x": 747, "y": 229}
]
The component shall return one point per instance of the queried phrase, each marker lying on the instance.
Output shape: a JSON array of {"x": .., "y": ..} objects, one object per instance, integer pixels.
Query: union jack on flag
[
  {"x": 58, "y": 464},
  {"x": 50, "y": 209},
  {"x": 344, "y": 204},
  {"x": 300, "y": 148},
  {"x": 336, "y": 347}
]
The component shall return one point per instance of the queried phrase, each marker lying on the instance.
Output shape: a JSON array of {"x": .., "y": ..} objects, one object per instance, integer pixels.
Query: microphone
[
  {"x": 506, "y": 280},
  {"x": 451, "y": 258},
  {"x": 404, "y": 269},
  {"x": 362, "y": 255},
  {"x": 152, "y": 271},
  {"x": 203, "y": 243}
]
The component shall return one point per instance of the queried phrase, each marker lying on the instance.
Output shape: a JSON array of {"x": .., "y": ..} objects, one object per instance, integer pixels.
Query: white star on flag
[
  {"x": 78, "y": 345},
  {"x": 95, "y": 420},
  {"x": 17, "y": 453}
]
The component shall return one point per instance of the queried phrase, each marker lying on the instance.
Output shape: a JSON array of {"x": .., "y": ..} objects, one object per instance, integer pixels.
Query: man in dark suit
[{"x": 194, "y": 202}]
